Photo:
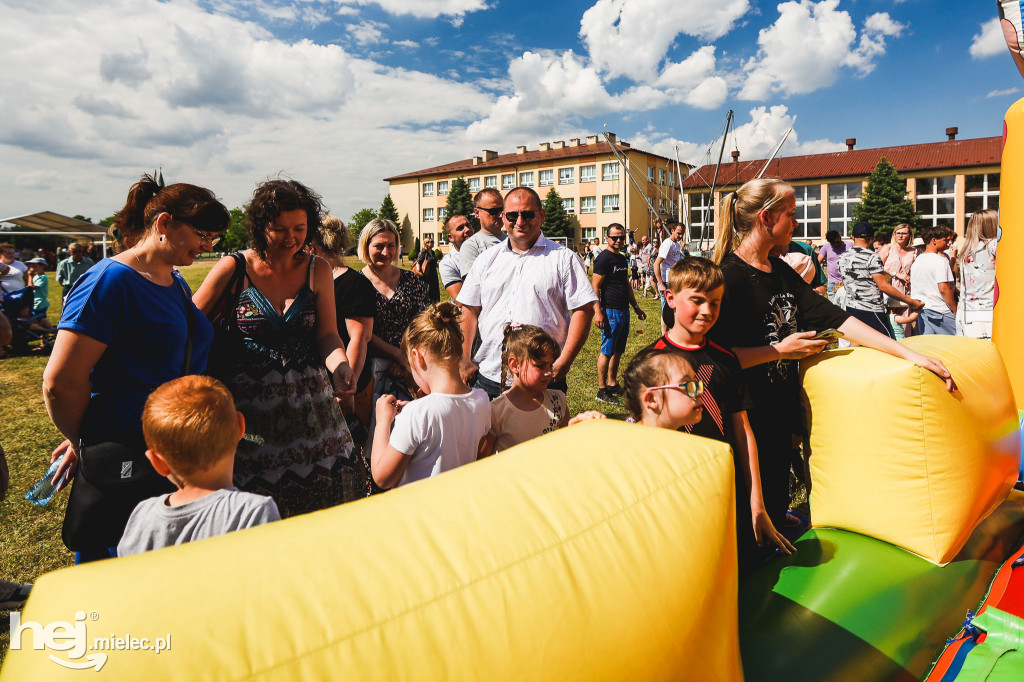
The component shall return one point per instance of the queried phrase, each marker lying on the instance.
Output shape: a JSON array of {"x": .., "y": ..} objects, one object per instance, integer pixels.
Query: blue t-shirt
[{"x": 145, "y": 329}]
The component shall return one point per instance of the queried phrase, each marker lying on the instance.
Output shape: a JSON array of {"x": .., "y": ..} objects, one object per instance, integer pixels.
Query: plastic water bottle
[{"x": 43, "y": 491}]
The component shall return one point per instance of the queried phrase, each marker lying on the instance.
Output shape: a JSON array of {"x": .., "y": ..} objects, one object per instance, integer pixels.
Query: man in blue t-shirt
[{"x": 615, "y": 297}]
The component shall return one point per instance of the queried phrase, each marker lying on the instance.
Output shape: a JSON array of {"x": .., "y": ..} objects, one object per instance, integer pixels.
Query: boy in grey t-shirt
[{"x": 192, "y": 429}]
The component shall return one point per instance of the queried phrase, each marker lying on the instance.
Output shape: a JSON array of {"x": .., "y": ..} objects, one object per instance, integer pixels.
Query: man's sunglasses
[
  {"x": 693, "y": 388},
  {"x": 513, "y": 216},
  {"x": 495, "y": 212},
  {"x": 616, "y": 239}
]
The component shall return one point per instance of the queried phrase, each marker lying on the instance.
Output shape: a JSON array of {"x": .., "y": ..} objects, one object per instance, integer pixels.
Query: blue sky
[{"x": 341, "y": 93}]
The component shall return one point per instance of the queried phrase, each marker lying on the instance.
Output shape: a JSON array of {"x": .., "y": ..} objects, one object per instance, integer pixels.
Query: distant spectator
[
  {"x": 71, "y": 268},
  {"x": 487, "y": 205},
  {"x": 829, "y": 255},
  {"x": 12, "y": 271},
  {"x": 40, "y": 284},
  {"x": 615, "y": 298},
  {"x": 897, "y": 262},
  {"x": 426, "y": 267},
  {"x": 978, "y": 275},
  {"x": 459, "y": 229},
  {"x": 932, "y": 281}
]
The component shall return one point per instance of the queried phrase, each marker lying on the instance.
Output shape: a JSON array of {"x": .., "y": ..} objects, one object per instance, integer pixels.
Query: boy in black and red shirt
[{"x": 695, "y": 289}]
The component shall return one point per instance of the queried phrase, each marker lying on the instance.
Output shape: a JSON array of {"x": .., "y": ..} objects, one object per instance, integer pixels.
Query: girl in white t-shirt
[
  {"x": 528, "y": 409},
  {"x": 446, "y": 427}
]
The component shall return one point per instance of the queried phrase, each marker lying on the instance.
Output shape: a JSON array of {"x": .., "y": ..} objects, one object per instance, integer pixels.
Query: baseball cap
[{"x": 862, "y": 230}]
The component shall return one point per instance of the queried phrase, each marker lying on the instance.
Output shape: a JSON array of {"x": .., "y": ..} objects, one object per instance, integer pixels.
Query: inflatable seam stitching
[{"x": 675, "y": 482}]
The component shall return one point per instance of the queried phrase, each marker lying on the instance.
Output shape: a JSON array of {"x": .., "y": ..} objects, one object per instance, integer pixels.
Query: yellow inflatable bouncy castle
[
  {"x": 896, "y": 457},
  {"x": 601, "y": 552}
]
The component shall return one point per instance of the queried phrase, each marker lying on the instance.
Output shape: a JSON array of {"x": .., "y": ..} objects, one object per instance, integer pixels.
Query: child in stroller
[{"x": 26, "y": 329}]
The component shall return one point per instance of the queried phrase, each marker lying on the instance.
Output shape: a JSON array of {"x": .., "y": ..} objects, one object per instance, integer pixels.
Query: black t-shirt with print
[
  {"x": 725, "y": 389},
  {"x": 615, "y": 286},
  {"x": 763, "y": 308}
]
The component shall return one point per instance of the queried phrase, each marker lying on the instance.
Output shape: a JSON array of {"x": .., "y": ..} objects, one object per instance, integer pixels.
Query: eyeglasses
[
  {"x": 693, "y": 388},
  {"x": 513, "y": 216},
  {"x": 204, "y": 236},
  {"x": 616, "y": 239},
  {"x": 494, "y": 212}
]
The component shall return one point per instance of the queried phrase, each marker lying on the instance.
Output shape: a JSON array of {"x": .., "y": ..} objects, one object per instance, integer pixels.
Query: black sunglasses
[
  {"x": 513, "y": 216},
  {"x": 495, "y": 212},
  {"x": 616, "y": 239}
]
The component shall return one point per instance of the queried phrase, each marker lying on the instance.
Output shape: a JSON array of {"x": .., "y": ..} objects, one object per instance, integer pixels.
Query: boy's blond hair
[
  {"x": 699, "y": 274},
  {"x": 191, "y": 422}
]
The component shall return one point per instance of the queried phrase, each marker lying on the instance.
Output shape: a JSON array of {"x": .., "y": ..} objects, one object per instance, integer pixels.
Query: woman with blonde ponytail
[{"x": 769, "y": 317}]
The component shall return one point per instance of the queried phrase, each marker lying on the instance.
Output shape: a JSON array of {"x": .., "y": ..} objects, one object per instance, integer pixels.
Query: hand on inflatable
[
  {"x": 764, "y": 531},
  {"x": 70, "y": 463},
  {"x": 587, "y": 416},
  {"x": 800, "y": 345},
  {"x": 934, "y": 365}
]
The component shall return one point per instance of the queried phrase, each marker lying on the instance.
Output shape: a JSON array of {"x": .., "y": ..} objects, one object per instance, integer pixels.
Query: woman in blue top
[
  {"x": 124, "y": 327},
  {"x": 299, "y": 451}
]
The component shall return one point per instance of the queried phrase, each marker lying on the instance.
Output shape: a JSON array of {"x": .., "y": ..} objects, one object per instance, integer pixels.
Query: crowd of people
[{"x": 324, "y": 384}]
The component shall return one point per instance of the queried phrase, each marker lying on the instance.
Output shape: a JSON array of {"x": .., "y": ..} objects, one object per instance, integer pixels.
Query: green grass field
[{"x": 30, "y": 543}]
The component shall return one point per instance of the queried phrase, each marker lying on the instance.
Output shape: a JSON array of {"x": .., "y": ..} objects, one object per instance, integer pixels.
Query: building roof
[
  {"x": 536, "y": 156},
  {"x": 982, "y": 151}
]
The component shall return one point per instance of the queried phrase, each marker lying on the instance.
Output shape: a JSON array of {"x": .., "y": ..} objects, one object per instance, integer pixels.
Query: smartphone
[{"x": 827, "y": 335}]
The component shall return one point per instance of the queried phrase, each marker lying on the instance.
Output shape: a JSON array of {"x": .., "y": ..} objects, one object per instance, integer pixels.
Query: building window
[
  {"x": 491, "y": 181},
  {"x": 588, "y": 233},
  {"x": 569, "y": 205},
  {"x": 508, "y": 181},
  {"x": 526, "y": 179},
  {"x": 980, "y": 191},
  {"x": 442, "y": 187},
  {"x": 842, "y": 197},
  {"x": 442, "y": 237},
  {"x": 672, "y": 178},
  {"x": 428, "y": 215},
  {"x": 609, "y": 171},
  {"x": 610, "y": 203},
  {"x": 547, "y": 178},
  {"x": 428, "y": 189},
  {"x": 588, "y": 204},
  {"x": 661, "y": 206},
  {"x": 474, "y": 185},
  {"x": 936, "y": 200},
  {"x": 661, "y": 176},
  {"x": 702, "y": 216},
  {"x": 588, "y": 173},
  {"x": 442, "y": 212},
  {"x": 650, "y": 174},
  {"x": 566, "y": 176},
  {"x": 808, "y": 212}
]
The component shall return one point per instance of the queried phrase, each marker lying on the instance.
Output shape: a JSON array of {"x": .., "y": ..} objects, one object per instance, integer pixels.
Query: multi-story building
[
  {"x": 947, "y": 181},
  {"x": 594, "y": 187}
]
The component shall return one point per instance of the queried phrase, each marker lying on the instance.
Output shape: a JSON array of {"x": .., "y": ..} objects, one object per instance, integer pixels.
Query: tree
[
  {"x": 885, "y": 204},
  {"x": 556, "y": 220},
  {"x": 358, "y": 222},
  {"x": 79, "y": 216},
  {"x": 388, "y": 210},
  {"x": 460, "y": 201},
  {"x": 236, "y": 237}
]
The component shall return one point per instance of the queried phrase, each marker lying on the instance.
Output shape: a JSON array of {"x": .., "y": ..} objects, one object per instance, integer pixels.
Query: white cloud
[
  {"x": 631, "y": 37},
  {"x": 425, "y": 8},
  {"x": 807, "y": 46},
  {"x": 1002, "y": 93},
  {"x": 366, "y": 32},
  {"x": 548, "y": 89},
  {"x": 38, "y": 179},
  {"x": 411, "y": 44},
  {"x": 694, "y": 82},
  {"x": 989, "y": 41}
]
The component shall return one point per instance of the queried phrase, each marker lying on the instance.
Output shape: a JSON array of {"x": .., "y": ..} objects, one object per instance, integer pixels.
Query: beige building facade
[{"x": 595, "y": 188}]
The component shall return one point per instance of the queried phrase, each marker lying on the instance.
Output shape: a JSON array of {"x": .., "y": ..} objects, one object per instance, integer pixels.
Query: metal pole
[{"x": 714, "y": 182}]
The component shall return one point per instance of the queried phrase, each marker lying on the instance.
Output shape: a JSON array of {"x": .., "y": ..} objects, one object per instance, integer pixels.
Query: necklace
[{"x": 139, "y": 261}]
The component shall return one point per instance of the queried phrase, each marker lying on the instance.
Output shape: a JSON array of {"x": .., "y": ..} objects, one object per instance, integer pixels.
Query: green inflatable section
[
  {"x": 1000, "y": 658},
  {"x": 848, "y": 607}
]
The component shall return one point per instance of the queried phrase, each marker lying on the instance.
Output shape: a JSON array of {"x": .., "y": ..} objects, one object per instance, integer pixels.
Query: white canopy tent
[{"x": 51, "y": 223}]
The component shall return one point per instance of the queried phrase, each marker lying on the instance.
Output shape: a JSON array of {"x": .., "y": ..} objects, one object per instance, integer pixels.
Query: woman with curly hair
[{"x": 298, "y": 449}]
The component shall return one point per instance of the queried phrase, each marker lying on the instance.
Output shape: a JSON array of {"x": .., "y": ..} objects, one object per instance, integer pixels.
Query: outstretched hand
[
  {"x": 935, "y": 365},
  {"x": 765, "y": 531}
]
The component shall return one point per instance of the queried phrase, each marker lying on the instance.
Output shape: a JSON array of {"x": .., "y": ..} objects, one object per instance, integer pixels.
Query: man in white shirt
[
  {"x": 528, "y": 280},
  {"x": 12, "y": 271},
  {"x": 931, "y": 281},
  {"x": 668, "y": 255},
  {"x": 458, "y": 229},
  {"x": 487, "y": 205}
]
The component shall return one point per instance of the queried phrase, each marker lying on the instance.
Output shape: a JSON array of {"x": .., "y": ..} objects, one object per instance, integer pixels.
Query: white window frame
[
  {"x": 661, "y": 176},
  {"x": 474, "y": 185},
  {"x": 428, "y": 189},
  {"x": 426, "y": 236},
  {"x": 843, "y": 221},
  {"x": 989, "y": 193},
  {"x": 804, "y": 203},
  {"x": 508, "y": 181},
  {"x": 526, "y": 179},
  {"x": 442, "y": 212},
  {"x": 650, "y": 174},
  {"x": 491, "y": 181},
  {"x": 702, "y": 215},
  {"x": 588, "y": 205},
  {"x": 546, "y": 178},
  {"x": 442, "y": 188},
  {"x": 610, "y": 171},
  {"x": 428, "y": 215},
  {"x": 929, "y": 194},
  {"x": 569, "y": 204},
  {"x": 609, "y": 203},
  {"x": 588, "y": 173},
  {"x": 566, "y": 176},
  {"x": 588, "y": 233}
]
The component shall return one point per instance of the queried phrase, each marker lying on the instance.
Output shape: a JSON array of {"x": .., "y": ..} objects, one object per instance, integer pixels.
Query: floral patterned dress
[
  {"x": 297, "y": 447},
  {"x": 977, "y": 291}
]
